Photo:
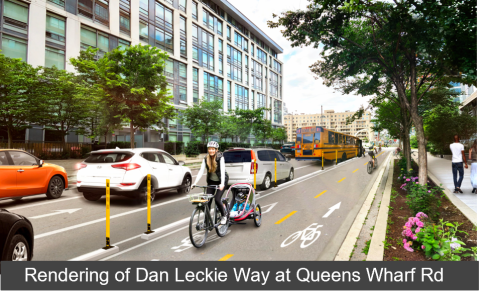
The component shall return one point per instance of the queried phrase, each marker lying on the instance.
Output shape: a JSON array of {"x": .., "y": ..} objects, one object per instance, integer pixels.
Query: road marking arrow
[
  {"x": 269, "y": 207},
  {"x": 332, "y": 209},
  {"x": 56, "y": 213}
]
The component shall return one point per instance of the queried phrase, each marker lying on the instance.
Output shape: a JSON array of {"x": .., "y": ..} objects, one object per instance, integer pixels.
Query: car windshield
[
  {"x": 237, "y": 157},
  {"x": 109, "y": 157}
]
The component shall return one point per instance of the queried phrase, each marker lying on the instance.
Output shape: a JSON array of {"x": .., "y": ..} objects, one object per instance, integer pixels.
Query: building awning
[{"x": 469, "y": 99}]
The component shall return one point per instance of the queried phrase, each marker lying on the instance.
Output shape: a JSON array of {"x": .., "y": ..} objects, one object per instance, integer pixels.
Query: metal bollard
[
  {"x": 108, "y": 244},
  {"x": 322, "y": 160},
  {"x": 336, "y": 157},
  {"x": 148, "y": 231},
  {"x": 254, "y": 174},
  {"x": 275, "y": 173}
]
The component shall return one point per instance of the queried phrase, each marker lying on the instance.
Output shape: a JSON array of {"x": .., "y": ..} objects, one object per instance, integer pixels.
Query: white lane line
[
  {"x": 104, "y": 219},
  {"x": 187, "y": 219},
  {"x": 302, "y": 167},
  {"x": 43, "y": 203}
]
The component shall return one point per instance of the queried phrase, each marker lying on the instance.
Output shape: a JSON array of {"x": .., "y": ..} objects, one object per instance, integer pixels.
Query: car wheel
[
  {"x": 290, "y": 175},
  {"x": 91, "y": 196},
  {"x": 56, "y": 187},
  {"x": 143, "y": 193},
  {"x": 186, "y": 185},
  {"x": 266, "y": 184},
  {"x": 18, "y": 249}
]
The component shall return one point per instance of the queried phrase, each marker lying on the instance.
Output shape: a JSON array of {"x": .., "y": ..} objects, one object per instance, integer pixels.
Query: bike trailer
[{"x": 247, "y": 208}]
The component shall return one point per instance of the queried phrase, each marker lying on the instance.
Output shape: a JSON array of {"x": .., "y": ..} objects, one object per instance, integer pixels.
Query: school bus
[{"x": 313, "y": 143}]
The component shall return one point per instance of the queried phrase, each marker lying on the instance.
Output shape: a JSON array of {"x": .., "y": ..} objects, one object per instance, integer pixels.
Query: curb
[
  {"x": 350, "y": 240},
  {"x": 376, "y": 251},
  {"x": 96, "y": 255},
  {"x": 466, "y": 211}
]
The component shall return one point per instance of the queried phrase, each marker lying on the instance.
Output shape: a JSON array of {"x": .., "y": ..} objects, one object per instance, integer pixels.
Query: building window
[
  {"x": 228, "y": 33},
  {"x": 58, "y": 2},
  {"x": 273, "y": 84},
  {"x": 163, "y": 28},
  {"x": 213, "y": 88},
  {"x": 207, "y": 50},
  {"x": 245, "y": 71},
  {"x": 125, "y": 16},
  {"x": 143, "y": 31},
  {"x": 257, "y": 79},
  {"x": 241, "y": 97},
  {"x": 15, "y": 23},
  {"x": 277, "y": 66},
  {"x": 228, "y": 95},
  {"x": 182, "y": 25},
  {"x": 176, "y": 73},
  {"x": 252, "y": 103},
  {"x": 240, "y": 41},
  {"x": 194, "y": 10},
  {"x": 261, "y": 100},
  {"x": 183, "y": 48},
  {"x": 219, "y": 27},
  {"x": 261, "y": 56},
  {"x": 221, "y": 46},
  {"x": 209, "y": 20},
  {"x": 277, "y": 111},
  {"x": 182, "y": 5},
  {"x": 234, "y": 64},
  {"x": 183, "y": 42},
  {"x": 252, "y": 50},
  {"x": 195, "y": 85},
  {"x": 55, "y": 42},
  {"x": 144, "y": 8},
  {"x": 94, "y": 38},
  {"x": 96, "y": 10},
  {"x": 221, "y": 64}
]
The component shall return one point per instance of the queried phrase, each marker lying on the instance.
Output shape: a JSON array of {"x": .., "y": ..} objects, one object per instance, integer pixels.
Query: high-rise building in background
[
  {"x": 215, "y": 51},
  {"x": 330, "y": 119}
]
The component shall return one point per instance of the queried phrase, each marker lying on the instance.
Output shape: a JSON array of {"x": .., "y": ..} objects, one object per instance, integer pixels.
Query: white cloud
[{"x": 302, "y": 93}]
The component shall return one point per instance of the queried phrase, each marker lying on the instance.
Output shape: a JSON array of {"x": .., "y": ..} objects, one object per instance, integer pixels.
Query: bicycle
[
  {"x": 310, "y": 234},
  {"x": 372, "y": 164},
  {"x": 200, "y": 223}
]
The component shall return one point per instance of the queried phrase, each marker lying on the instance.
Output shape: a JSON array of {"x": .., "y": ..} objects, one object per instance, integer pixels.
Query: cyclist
[
  {"x": 215, "y": 165},
  {"x": 371, "y": 153}
]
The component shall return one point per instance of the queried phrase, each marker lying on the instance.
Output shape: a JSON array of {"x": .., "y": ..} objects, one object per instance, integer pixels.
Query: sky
[{"x": 302, "y": 93}]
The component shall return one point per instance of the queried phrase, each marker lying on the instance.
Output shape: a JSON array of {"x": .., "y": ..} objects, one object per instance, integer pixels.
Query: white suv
[{"x": 128, "y": 169}]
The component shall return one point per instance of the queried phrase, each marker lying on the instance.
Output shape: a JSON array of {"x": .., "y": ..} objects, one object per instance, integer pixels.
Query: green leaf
[{"x": 436, "y": 256}]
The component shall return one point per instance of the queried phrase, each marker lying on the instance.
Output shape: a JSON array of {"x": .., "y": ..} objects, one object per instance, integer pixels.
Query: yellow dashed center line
[
  {"x": 355, "y": 170},
  {"x": 226, "y": 257},
  {"x": 365, "y": 163},
  {"x": 286, "y": 217},
  {"x": 341, "y": 180},
  {"x": 320, "y": 194}
]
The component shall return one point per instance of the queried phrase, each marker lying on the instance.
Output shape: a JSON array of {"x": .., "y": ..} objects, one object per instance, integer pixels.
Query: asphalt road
[{"x": 291, "y": 207}]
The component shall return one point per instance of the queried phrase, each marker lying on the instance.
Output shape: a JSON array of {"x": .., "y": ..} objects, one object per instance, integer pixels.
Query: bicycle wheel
[
  {"x": 198, "y": 230},
  {"x": 221, "y": 229},
  {"x": 376, "y": 163},
  {"x": 257, "y": 217},
  {"x": 369, "y": 167},
  {"x": 311, "y": 237},
  {"x": 293, "y": 237}
]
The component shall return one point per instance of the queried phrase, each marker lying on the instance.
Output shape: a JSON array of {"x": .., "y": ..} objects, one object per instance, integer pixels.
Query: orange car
[{"x": 22, "y": 174}]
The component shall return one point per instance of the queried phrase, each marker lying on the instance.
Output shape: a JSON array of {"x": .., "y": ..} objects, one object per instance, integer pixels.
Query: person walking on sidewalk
[
  {"x": 473, "y": 166},
  {"x": 457, "y": 163}
]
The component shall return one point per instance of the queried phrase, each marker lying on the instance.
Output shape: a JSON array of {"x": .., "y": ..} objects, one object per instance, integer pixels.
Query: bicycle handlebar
[{"x": 206, "y": 187}]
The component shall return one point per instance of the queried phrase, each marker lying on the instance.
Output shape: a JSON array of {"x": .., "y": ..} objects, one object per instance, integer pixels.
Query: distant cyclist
[
  {"x": 371, "y": 152},
  {"x": 215, "y": 165}
]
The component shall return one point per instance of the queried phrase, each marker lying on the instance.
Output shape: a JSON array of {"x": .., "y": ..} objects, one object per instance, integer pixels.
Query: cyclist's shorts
[{"x": 370, "y": 153}]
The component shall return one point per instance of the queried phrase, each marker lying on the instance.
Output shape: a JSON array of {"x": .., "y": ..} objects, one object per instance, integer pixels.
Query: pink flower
[
  {"x": 408, "y": 225},
  {"x": 423, "y": 247},
  {"x": 414, "y": 237},
  {"x": 404, "y": 240},
  {"x": 407, "y": 246},
  {"x": 407, "y": 179},
  {"x": 417, "y": 230},
  {"x": 429, "y": 191},
  {"x": 417, "y": 182},
  {"x": 420, "y": 224},
  {"x": 421, "y": 214}
]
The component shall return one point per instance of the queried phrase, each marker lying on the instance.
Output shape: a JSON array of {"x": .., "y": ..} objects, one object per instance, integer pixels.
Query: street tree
[
  {"x": 17, "y": 102},
  {"x": 228, "y": 126},
  {"x": 134, "y": 82},
  {"x": 65, "y": 104},
  {"x": 203, "y": 119},
  {"x": 263, "y": 130},
  {"x": 412, "y": 44},
  {"x": 279, "y": 134}
]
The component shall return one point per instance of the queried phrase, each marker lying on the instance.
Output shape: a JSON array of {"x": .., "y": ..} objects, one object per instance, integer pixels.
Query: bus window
[
  {"x": 317, "y": 138},
  {"x": 307, "y": 138},
  {"x": 336, "y": 138},
  {"x": 331, "y": 138},
  {"x": 299, "y": 138}
]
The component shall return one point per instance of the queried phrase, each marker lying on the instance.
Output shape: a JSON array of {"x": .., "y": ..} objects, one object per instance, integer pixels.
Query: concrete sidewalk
[{"x": 441, "y": 168}]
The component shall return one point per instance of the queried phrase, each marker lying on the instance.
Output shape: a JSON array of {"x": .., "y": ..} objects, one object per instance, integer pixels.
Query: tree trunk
[
  {"x": 9, "y": 137},
  {"x": 422, "y": 153},
  {"x": 132, "y": 139}
]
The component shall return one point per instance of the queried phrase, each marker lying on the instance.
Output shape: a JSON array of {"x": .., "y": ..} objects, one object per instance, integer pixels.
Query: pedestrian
[
  {"x": 457, "y": 163},
  {"x": 473, "y": 166}
]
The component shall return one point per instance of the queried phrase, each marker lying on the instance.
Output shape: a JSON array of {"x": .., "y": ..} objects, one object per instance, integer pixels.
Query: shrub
[
  {"x": 441, "y": 242},
  {"x": 193, "y": 148},
  {"x": 174, "y": 147},
  {"x": 422, "y": 199}
]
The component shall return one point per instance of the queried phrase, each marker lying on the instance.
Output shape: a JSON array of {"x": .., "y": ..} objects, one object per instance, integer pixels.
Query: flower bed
[{"x": 445, "y": 232}]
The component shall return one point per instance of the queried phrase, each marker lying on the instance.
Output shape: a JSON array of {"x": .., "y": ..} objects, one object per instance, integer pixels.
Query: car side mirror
[
  {"x": 40, "y": 163},
  {"x": 181, "y": 163},
  {"x": 288, "y": 159}
]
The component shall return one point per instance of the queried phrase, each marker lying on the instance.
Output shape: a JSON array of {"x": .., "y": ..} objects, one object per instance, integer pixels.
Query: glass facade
[
  {"x": 241, "y": 97},
  {"x": 213, "y": 87},
  {"x": 234, "y": 64}
]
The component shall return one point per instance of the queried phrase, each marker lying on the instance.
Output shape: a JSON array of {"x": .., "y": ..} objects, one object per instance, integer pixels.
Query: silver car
[{"x": 240, "y": 169}]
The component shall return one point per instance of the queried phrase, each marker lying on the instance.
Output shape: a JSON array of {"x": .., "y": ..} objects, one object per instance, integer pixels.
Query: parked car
[
  {"x": 288, "y": 148},
  {"x": 16, "y": 237},
  {"x": 24, "y": 175},
  {"x": 240, "y": 169},
  {"x": 128, "y": 169}
]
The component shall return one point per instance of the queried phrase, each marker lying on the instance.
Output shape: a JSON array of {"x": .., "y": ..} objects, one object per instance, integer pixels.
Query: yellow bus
[{"x": 314, "y": 142}]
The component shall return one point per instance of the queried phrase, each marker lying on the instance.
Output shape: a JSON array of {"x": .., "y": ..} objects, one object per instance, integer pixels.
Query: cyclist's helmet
[
  {"x": 240, "y": 197},
  {"x": 213, "y": 144}
]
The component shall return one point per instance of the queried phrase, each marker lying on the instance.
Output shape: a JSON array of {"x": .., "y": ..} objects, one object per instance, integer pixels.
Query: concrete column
[
  {"x": 72, "y": 39},
  {"x": 36, "y": 32},
  {"x": 189, "y": 52},
  {"x": 114, "y": 17},
  {"x": 177, "y": 36},
  {"x": 134, "y": 21}
]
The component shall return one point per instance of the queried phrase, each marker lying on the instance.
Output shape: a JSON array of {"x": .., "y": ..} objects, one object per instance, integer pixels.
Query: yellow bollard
[
  {"x": 149, "y": 206},
  {"x": 108, "y": 245},
  {"x": 322, "y": 160},
  {"x": 275, "y": 173},
  {"x": 336, "y": 157},
  {"x": 254, "y": 175}
]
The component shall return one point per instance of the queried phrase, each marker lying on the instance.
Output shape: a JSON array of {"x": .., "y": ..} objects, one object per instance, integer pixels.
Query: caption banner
[{"x": 239, "y": 275}]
